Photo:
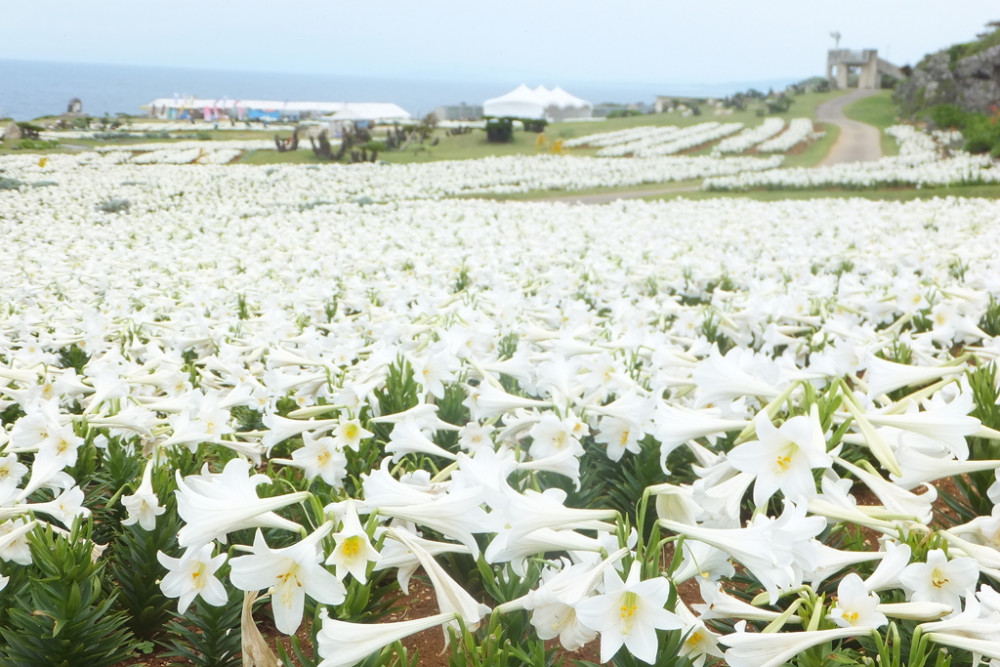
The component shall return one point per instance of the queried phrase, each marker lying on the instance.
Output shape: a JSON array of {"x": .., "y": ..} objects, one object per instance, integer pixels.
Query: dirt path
[{"x": 858, "y": 142}]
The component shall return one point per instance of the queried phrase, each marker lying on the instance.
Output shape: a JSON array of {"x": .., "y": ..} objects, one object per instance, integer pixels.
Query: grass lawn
[
  {"x": 474, "y": 144},
  {"x": 878, "y": 110},
  {"x": 654, "y": 191},
  {"x": 885, "y": 194},
  {"x": 815, "y": 151}
]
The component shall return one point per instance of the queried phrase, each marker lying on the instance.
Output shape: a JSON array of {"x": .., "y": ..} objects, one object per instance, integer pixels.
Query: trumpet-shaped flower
[
  {"x": 407, "y": 438},
  {"x": 552, "y": 435},
  {"x": 397, "y": 555},
  {"x": 11, "y": 473},
  {"x": 724, "y": 378},
  {"x": 354, "y": 550},
  {"x": 281, "y": 428},
  {"x": 629, "y": 612},
  {"x": 674, "y": 426},
  {"x": 699, "y": 641},
  {"x": 321, "y": 457},
  {"x": 517, "y": 515},
  {"x": 213, "y": 505},
  {"x": 856, "y": 607},
  {"x": 349, "y": 433},
  {"x": 553, "y": 603},
  {"x": 451, "y": 597},
  {"x": 940, "y": 580},
  {"x": 886, "y": 575},
  {"x": 343, "y": 644},
  {"x": 288, "y": 574},
  {"x": 947, "y": 424},
  {"x": 783, "y": 457},
  {"x": 771, "y": 649},
  {"x": 143, "y": 506},
  {"x": 193, "y": 575},
  {"x": 779, "y": 551},
  {"x": 14, "y": 545},
  {"x": 886, "y": 376},
  {"x": 719, "y": 604}
]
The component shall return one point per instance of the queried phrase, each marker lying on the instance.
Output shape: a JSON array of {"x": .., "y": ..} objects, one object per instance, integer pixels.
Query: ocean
[{"x": 30, "y": 89}]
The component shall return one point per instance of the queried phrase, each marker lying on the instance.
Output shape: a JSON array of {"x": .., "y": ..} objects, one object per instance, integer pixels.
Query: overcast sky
[{"x": 656, "y": 41}]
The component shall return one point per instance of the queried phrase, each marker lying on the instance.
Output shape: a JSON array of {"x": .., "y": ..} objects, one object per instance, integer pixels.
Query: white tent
[
  {"x": 518, "y": 103},
  {"x": 523, "y": 102},
  {"x": 370, "y": 111}
]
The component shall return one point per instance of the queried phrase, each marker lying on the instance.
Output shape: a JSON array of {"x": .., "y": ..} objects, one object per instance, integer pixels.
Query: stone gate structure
[{"x": 840, "y": 63}]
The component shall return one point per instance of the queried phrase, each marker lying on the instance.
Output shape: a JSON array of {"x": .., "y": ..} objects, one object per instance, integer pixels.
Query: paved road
[{"x": 858, "y": 142}]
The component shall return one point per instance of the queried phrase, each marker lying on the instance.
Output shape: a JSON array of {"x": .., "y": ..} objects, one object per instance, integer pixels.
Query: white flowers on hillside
[{"x": 351, "y": 380}]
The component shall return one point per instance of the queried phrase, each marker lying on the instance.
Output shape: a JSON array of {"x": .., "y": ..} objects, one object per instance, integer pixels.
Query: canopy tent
[
  {"x": 523, "y": 102},
  {"x": 372, "y": 112},
  {"x": 562, "y": 105}
]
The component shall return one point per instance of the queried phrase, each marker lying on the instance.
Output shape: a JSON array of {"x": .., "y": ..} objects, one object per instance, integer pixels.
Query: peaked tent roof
[
  {"x": 523, "y": 102},
  {"x": 519, "y": 103},
  {"x": 371, "y": 111},
  {"x": 564, "y": 100}
]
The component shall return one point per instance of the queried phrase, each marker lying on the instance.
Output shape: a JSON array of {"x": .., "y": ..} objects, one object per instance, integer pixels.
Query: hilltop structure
[{"x": 841, "y": 62}]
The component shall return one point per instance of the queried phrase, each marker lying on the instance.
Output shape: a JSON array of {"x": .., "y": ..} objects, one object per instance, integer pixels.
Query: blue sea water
[{"x": 30, "y": 89}]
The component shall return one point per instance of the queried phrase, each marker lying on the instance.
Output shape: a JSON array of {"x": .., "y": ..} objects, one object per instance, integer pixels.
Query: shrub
[
  {"x": 981, "y": 134},
  {"x": 36, "y": 144},
  {"x": 623, "y": 113},
  {"x": 949, "y": 115},
  {"x": 500, "y": 130},
  {"x": 534, "y": 124},
  {"x": 30, "y": 130}
]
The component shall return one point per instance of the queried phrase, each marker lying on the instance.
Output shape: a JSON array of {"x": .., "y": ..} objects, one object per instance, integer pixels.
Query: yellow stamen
[
  {"x": 628, "y": 608},
  {"x": 351, "y": 546}
]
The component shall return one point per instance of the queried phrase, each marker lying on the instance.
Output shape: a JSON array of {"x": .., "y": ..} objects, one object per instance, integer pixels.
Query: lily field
[{"x": 249, "y": 411}]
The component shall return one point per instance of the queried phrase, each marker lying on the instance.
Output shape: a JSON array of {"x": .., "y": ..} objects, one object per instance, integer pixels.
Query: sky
[{"x": 539, "y": 41}]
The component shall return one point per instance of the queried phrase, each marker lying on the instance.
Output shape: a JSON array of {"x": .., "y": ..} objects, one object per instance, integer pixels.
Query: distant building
[
  {"x": 192, "y": 108},
  {"x": 365, "y": 114},
  {"x": 605, "y": 109},
  {"x": 461, "y": 111},
  {"x": 840, "y": 63}
]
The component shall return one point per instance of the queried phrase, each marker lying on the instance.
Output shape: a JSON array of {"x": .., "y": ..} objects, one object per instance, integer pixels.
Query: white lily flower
[
  {"x": 343, "y": 644},
  {"x": 193, "y": 575},
  {"x": 629, "y": 612},
  {"x": 451, "y": 597},
  {"x": 143, "y": 506},
  {"x": 288, "y": 574},
  {"x": 771, "y": 649},
  {"x": 213, "y": 505},
  {"x": 940, "y": 579},
  {"x": 354, "y": 550},
  {"x": 783, "y": 458},
  {"x": 856, "y": 607}
]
